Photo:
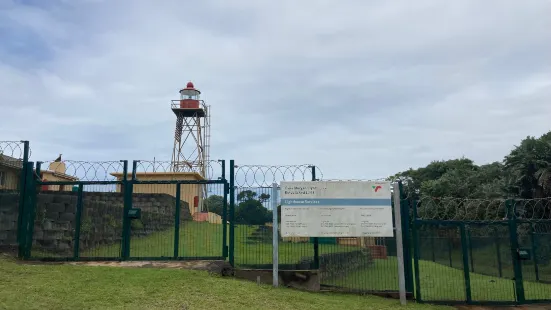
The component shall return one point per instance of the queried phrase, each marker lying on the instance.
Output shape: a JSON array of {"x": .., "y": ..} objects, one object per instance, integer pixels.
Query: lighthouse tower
[{"x": 192, "y": 135}]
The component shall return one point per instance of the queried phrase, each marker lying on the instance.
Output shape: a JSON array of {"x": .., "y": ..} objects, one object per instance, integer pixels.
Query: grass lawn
[
  {"x": 439, "y": 282},
  {"x": 79, "y": 287},
  {"x": 201, "y": 239}
]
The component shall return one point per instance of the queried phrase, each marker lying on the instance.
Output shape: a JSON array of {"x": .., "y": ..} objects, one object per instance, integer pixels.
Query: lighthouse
[{"x": 192, "y": 133}]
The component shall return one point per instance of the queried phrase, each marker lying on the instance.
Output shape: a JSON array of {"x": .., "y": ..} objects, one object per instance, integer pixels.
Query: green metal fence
[
  {"x": 14, "y": 156},
  {"x": 472, "y": 251},
  {"x": 363, "y": 265},
  {"x": 105, "y": 211},
  {"x": 252, "y": 234},
  {"x": 478, "y": 251}
]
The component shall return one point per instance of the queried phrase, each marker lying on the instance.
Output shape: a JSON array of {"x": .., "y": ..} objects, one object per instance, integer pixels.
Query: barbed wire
[
  {"x": 355, "y": 180},
  {"x": 465, "y": 209},
  {"x": 457, "y": 209},
  {"x": 533, "y": 209},
  {"x": 69, "y": 170},
  {"x": 213, "y": 168},
  {"x": 264, "y": 176},
  {"x": 11, "y": 151}
]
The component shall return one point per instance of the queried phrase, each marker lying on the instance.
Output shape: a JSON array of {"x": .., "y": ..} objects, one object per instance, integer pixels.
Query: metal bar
[
  {"x": 135, "y": 182},
  {"x": 533, "y": 237},
  {"x": 223, "y": 164},
  {"x": 78, "y": 219},
  {"x": 469, "y": 237},
  {"x": 177, "y": 222},
  {"x": 122, "y": 184},
  {"x": 225, "y": 220},
  {"x": 455, "y": 223},
  {"x": 316, "y": 239},
  {"x": 22, "y": 194},
  {"x": 128, "y": 187},
  {"x": 30, "y": 207},
  {"x": 406, "y": 237},
  {"x": 275, "y": 238},
  {"x": 171, "y": 258},
  {"x": 519, "y": 285},
  {"x": 465, "y": 256},
  {"x": 134, "y": 168},
  {"x": 203, "y": 182},
  {"x": 498, "y": 249},
  {"x": 399, "y": 244},
  {"x": 79, "y": 182},
  {"x": 416, "y": 253},
  {"x": 232, "y": 214},
  {"x": 432, "y": 248},
  {"x": 450, "y": 251},
  {"x": 117, "y": 259}
]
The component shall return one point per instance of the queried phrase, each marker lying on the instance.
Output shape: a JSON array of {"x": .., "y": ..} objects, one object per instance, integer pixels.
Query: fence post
[
  {"x": 406, "y": 239},
  {"x": 450, "y": 246},
  {"x": 275, "y": 238},
  {"x": 498, "y": 250},
  {"x": 316, "y": 239},
  {"x": 432, "y": 249},
  {"x": 469, "y": 237},
  {"x": 519, "y": 285},
  {"x": 465, "y": 252},
  {"x": 232, "y": 214},
  {"x": 127, "y": 198},
  {"x": 78, "y": 218},
  {"x": 399, "y": 243},
  {"x": 534, "y": 240},
  {"x": 30, "y": 207},
  {"x": 21, "y": 214},
  {"x": 225, "y": 212},
  {"x": 177, "y": 221},
  {"x": 416, "y": 253}
]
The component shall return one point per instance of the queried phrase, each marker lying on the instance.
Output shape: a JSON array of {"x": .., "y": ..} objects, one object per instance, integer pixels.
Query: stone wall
[
  {"x": 339, "y": 264},
  {"x": 101, "y": 222},
  {"x": 9, "y": 204}
]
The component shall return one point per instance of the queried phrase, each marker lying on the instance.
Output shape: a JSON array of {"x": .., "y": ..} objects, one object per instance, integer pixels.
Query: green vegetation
[
  {"x": 78, "y": 287},
  {"x": 439, "y": 282},
  {"x": 524, "y": 173},
  {"x": 249, "y": 209},
  {"x": 201, "y": 239}
]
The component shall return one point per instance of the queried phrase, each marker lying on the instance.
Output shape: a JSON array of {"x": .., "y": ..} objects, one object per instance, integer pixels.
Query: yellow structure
[
  {"x": 56, "y": 172},
  {"x": 10, "y": 172},
  {"x": 190, "y": 193}
]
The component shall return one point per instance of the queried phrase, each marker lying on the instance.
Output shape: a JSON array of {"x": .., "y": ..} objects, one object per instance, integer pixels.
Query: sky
[{"x": 361, "y": 89}]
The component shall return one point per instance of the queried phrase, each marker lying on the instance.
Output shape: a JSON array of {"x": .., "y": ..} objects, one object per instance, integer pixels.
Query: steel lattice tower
[{"x": 192, "y": 134}]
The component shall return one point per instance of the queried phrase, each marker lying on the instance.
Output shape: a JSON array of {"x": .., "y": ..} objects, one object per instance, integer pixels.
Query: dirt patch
[
  {"x": 219, "y": 267},
  {"x": 212, "y": 266}
]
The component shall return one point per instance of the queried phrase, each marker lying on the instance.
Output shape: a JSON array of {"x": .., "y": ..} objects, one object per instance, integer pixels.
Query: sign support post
[
  {"x": 399, "y": 244},
  {"x": 275, "y": 237}
]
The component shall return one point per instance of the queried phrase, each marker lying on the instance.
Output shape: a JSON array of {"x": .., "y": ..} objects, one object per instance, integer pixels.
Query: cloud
[{"x": 362, "y": 89}]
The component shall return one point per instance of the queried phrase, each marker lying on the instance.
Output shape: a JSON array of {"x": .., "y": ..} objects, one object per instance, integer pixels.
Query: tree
[
  {"x": 246, "y": 195},
  {"x": 250, "y": 209},
  {"x": 252, "y": 212},
  {"x": 416, "y": 180},
  {"x": 264, "y": 197},
  {"x": 214, "y": 204},
  {"x": 529, "y": 168}
]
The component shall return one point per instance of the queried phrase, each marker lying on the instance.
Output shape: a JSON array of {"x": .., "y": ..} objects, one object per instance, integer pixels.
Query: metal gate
[
  {"x": 102, "y": 211},
  {"x": 482, "y": 251}
]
